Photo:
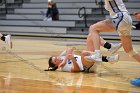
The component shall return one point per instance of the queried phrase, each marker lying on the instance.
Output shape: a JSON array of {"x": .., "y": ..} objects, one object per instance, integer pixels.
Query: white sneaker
[
  {"x": 114, "y": 48},
  {"x": 113, "y": 58},
  {"x": 45, "y": 19},
  {"x": 96, "y": 57},
  {"x": 8, "y": 40}
]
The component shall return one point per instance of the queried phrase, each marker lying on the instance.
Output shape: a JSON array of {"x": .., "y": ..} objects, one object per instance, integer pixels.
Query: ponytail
[
  {"x": 51, "y": 69},
  {"x": 52, "y": 66}
]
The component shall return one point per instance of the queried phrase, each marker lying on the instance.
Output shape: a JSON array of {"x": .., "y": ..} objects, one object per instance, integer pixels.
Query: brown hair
[
  {"x": 52, "y": 66},
  {"x": 50, "y": 3}
]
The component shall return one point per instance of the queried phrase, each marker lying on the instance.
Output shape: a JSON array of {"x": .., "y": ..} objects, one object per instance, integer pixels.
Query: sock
[
  {"x": 104, "y": 59},
  {"x": 107, "y": 45},
  {"x": 3, "y": 38},
  {"x": 98, "y": 53}
]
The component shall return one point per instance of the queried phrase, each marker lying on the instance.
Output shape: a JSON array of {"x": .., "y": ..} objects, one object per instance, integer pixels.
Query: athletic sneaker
[
  {"x": 135, "y": 82},
  {"x": 96, "y": 57},
  {"x": 47, "y": 19},
  {"x": 8, "y": 40},
  {"x": 114, "y": 48},
  {"x": 113, "y": 58}
]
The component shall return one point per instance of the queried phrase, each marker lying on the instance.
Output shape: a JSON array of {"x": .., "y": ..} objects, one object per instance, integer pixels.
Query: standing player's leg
[
  {"x": 124, "y": 30},
  {"x": 128, "y": 48}
]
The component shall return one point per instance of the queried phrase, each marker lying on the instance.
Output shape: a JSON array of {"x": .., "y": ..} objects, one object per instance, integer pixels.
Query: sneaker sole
[
  {"x": 113, "y": 62},
  {"x": 89, "y": 60}
]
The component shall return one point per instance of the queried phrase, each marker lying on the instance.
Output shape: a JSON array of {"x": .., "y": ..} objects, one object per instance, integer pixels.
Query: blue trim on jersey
[
  {"x": 70, "y": 61},
  {"x": 122, "y": 15},
  {"x": 111, "y": 4},
  {"x": 119, "y": 18}
]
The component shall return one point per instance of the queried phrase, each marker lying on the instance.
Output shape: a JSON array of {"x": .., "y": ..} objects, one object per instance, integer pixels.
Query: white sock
[{"x": 98, "y": 52}]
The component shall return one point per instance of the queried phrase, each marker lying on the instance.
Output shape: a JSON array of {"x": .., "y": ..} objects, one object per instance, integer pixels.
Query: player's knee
[
  {"x": 132, "y": 52},
  {"x": 84, "y": 53},
  {"x": 89, "y": 36},
  {"x": 92, "y": 28}
]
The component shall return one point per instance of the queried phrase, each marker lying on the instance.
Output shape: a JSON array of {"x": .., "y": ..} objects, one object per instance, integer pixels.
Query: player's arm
[
  {"x": 68, "y": 51},
  {"x": 63, "y": 53},
  {"x": 75, "y": 67},
  {"x": 137, "y": 15}
]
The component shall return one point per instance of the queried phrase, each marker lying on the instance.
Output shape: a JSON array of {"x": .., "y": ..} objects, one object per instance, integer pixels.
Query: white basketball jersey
[
  {"x": 115, "y": 6},
  {"x": 69, "y": 64}
]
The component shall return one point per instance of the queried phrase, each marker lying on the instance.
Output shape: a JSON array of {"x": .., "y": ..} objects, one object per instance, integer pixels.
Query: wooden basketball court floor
[{"x": 21, "y": 69}]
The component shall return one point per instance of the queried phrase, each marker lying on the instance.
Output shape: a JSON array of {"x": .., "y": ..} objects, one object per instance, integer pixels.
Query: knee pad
[{"x": 132, "y": 52}]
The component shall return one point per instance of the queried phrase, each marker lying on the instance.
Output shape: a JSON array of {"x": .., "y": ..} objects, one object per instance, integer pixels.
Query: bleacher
[{"x": 24, "y": 17}]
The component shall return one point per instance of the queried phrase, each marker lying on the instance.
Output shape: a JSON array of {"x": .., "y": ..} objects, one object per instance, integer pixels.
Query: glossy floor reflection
[{"x": 21, "y": 69}]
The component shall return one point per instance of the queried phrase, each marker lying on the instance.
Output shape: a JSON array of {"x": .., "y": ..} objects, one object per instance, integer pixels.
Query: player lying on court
[
  {"x": 6, "y": 39},
  {"x": 68, "y": 61}
]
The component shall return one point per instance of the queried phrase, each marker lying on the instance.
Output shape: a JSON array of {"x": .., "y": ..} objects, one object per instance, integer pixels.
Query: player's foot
[
  {"x": 113, "y": 58},
  {"x": 96, "y": 57},
  {"x": 114, "y": 48},
  {"x": 135, "y": 82},
  {"x": 8, "y": 40},
  {"x": 45, "y": 19}
]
